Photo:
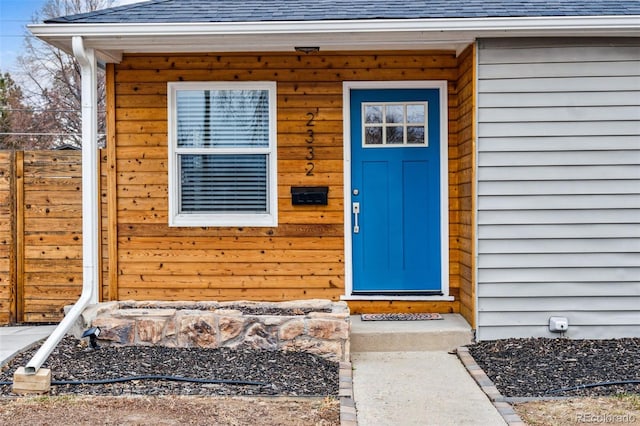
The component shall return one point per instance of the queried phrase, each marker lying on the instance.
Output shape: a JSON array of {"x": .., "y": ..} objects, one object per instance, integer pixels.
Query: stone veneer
[{"x": 317, "y": 326}]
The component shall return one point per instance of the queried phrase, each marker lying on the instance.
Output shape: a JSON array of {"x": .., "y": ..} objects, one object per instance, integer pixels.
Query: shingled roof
[{"x": 191, "y": 11}]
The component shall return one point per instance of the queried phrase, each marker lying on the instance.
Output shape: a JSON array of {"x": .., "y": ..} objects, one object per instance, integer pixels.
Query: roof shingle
[{"x": 194, "y": 11}]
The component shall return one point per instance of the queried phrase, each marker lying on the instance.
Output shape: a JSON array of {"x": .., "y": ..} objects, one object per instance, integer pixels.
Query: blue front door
[{"x": 395, "y": 191}]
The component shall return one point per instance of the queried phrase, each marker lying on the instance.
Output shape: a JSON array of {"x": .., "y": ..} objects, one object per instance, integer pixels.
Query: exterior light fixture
[
  {"x": 307, "y": 49},
  {"x": 92, "y": 334}
]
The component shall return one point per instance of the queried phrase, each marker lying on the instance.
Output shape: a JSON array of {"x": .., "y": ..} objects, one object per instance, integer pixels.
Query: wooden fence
[{"x": 40, "y": 234}]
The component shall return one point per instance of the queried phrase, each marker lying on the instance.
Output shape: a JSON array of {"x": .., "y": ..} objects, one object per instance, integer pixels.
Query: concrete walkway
[
  {"x": 18, "y": 338},
  {"x": 421, "y": 384},
  {"x": 418, "y": 388}
]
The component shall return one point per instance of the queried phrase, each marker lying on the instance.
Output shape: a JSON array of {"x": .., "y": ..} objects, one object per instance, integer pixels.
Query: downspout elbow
[{"x": 58, "y": 333}]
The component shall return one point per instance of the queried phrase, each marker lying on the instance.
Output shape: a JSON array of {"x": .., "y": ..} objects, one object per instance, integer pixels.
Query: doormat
[{"x": 400, "y": 317}]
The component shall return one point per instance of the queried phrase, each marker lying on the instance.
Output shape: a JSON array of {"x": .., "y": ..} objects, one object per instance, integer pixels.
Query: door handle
[{"x": 356, "y": 213}]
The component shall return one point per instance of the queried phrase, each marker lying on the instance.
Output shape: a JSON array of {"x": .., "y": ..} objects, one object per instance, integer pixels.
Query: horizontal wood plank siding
[
  {"x": 464, "y": 176},
  {"x": 558, "y": 187},
  {"x": 303, "y": 257}
]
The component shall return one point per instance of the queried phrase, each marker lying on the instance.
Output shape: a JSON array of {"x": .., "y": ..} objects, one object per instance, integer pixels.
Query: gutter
[
  {"x": 90, "y": 205},
  {"x": 112, "y": 39},
  {"x": 553, "y": 23}
]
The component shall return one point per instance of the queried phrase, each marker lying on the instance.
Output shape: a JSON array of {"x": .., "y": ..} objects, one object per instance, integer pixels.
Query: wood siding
[
  {"x": 142, "y": 258},
  {"x": 558, "y": 187},
  {"x": 304, "y": 256},
  {"x": 464, "y": 176}
]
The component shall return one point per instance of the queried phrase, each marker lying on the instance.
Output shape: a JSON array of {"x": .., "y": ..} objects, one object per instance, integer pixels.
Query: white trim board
[
  {"x": 111, "y": 40},
  {"x": 347, "y": 86}
]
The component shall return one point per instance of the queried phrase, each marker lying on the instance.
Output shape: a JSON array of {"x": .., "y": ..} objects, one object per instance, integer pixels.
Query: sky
[{"x": 14, "y": 16}]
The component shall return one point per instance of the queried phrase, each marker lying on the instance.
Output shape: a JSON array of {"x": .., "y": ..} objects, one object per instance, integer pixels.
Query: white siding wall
[{"x": 558, "y": 187}]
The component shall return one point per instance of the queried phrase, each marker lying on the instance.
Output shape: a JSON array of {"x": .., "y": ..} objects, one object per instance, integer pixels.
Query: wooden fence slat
[{"x": 42, "y": 213}]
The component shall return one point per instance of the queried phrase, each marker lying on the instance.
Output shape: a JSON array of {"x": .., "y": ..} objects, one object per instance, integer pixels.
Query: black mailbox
[{"x": 309, "y": 195}]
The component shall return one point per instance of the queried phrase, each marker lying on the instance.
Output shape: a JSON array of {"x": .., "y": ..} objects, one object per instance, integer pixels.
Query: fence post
[
  {"x": 11, "y": 244},
  {"x": 19, "y": 234}
]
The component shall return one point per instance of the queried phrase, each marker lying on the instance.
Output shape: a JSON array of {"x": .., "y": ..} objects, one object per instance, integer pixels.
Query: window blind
[
  {"x": 224, "y": 183},
  {"x": 222, "y": 118}
]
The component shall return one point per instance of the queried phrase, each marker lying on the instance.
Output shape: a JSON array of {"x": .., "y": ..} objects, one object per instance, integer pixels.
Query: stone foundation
[{"x": 317, "y": 326}]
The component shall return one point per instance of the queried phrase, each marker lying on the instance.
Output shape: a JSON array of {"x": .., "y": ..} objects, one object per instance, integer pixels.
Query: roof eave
[{"x": 112, "y": 39}]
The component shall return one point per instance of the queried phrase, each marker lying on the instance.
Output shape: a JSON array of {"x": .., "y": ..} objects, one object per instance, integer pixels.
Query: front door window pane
[
  {"x": 415, "y": 135},
  {"x": 395, "y": 114},
  {"x": 373, "y": 136},
  {"x": 394, "y": 124},
  {"x": 373, "y": 114},
  {"x": 395, "y": 135},
  {"x": 415, "y": 113}
]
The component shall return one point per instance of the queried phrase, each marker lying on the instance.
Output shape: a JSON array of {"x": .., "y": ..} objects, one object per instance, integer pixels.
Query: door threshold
[
  {"x": 399, "y": 293},
  {"x": 414, "y": 297}
]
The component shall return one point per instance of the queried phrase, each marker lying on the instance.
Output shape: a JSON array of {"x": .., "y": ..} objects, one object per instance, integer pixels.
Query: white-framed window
[
  {"x": 394, "y": 124},
  {"x": 222, "y": 154}
]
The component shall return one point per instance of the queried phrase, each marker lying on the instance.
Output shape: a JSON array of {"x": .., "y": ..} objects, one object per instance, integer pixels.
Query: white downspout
[{"x": 90, "y": 203}]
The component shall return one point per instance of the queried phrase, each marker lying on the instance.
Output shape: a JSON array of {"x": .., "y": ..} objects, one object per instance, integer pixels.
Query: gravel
[
  {"x": 536, "y": 367},
  {"x": 279, "y": 373}
]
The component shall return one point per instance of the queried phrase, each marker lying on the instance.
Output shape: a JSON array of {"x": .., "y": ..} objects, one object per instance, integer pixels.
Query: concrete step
[{"x": 409, "y": 336}]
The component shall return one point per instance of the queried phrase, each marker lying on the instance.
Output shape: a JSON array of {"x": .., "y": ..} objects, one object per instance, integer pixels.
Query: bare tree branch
[{"x": 54, "y": 77}]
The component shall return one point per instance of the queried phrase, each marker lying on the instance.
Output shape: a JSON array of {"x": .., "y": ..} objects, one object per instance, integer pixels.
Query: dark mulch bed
[
  {"x": 281, "y": 373},
  {"x": 535, "y": 367},
  {"x": 261, "y": 310}
]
